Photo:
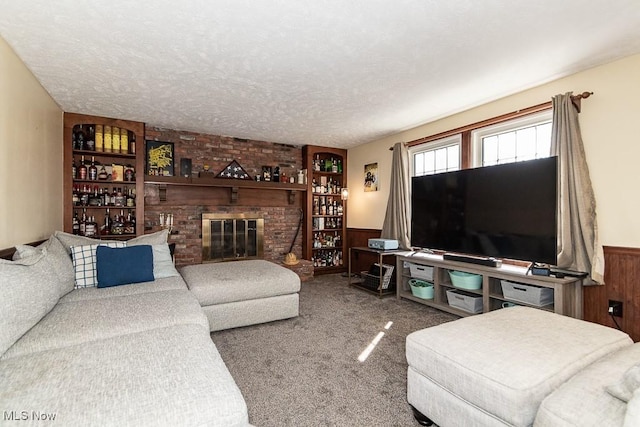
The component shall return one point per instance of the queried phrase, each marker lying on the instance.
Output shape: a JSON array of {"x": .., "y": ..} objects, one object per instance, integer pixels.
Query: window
[
  {"x": 525, "y": 138},
  {"x": 438, "y": 156}
]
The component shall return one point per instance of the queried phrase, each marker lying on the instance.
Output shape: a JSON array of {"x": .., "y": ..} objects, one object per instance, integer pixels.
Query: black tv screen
[{"x": 503, "y": 211}]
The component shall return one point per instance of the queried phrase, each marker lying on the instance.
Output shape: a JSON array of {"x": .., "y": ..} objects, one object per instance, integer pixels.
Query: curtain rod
[{"x": 575, "y": 99}]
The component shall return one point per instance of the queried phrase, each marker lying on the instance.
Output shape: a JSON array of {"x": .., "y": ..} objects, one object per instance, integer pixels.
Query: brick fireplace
[{"x": 189, "y": 203}]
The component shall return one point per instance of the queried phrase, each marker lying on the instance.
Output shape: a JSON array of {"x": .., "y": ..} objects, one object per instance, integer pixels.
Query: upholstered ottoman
[
  {"x": 496, "y": 368},
  {"x": 242, "y": 293}
]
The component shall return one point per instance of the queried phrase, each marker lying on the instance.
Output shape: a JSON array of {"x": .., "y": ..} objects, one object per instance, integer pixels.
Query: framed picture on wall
[
  {"x": 371, "y": 177},
  {"x": 159, "y": 158}
]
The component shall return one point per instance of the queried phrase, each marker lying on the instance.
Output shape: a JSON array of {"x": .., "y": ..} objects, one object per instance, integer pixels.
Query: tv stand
[
  {"x": 567, "y": 291},
  {"x": 488, "y": 261}
]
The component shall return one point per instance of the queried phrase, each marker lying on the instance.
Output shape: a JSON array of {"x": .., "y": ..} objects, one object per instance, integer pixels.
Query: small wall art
[
  {"x": 371, "y": 177},
  {"x": 159, "y": 160}
]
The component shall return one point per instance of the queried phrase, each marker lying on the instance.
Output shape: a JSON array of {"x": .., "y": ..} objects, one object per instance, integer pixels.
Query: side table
[{"x": 378, "y": 288}]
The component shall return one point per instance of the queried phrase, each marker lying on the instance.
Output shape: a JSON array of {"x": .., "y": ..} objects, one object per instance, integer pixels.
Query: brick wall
[{"x": 188, "y": 203}]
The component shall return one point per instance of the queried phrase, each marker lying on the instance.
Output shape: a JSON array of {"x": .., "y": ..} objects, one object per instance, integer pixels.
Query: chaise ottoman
[
  {"x": 242, "y": 293},
  {"x": 496, "y": 368}
]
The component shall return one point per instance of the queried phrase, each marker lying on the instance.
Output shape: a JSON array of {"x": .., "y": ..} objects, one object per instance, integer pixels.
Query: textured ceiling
[{"x": 326, "y": 72}]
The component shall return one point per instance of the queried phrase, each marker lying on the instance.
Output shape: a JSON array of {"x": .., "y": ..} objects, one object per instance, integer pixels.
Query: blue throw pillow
[{"x": 121, "y": 266}]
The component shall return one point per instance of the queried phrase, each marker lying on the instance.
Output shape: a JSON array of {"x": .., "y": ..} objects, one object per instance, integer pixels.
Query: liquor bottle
[
  {"x": 83, "y": 222},
  {"x": 129, "y": 225},
  {"x": 112, "y": 200},
  {"x": 131, "y": 197},
  {"x": 108, "y": 142},
  {"x": 93, "y": 170},
  {"x": 117, "y": 226},
  {"x": 99, "y": 137},
  {"x": 334, "y": 166},
  {"x": 115, "y": 139},
  {"x": 80, "y": 138},
  {"x": 75, "y": 224},
  {"x": 328, "y": 164},
  {"x": 132, "y": 143},
  {"x": 90, "y": 140},
  {"x": 120, "y": 199},
  {"x": 106, "y": 197},
  {"x": 339, "y": 166},
  {"x": 129, "y": 175},
  {"x": 91, "y": 227},
  {"x": 84, "y": 196},
  {"x": 124, "y": 141},
  {"x": 316, "y": 163},
  {"x": 82, "y": 170},
  {"x": 74, "y": 169},
  {"x": 75, "y": 197},
  {"x": 276, "y": 174},
  {"x": 106, "y": 227}
]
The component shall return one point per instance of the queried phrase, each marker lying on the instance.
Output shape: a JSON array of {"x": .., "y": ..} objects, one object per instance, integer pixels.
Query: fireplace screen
[{"x": 227, "y": 237}]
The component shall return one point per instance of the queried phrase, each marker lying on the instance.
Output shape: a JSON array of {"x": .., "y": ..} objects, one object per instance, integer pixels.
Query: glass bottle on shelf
[
  {"x": 82, "y": 169},
  {"x": 80, "y": 138},
  {"x": 115, "y": 139},
  {"x": 90, "y": 141},
  {"x": 106, "y": 227},
  {"x": 93, "y": 170},
  {"x": 74, "y": 169},
  {"x": 108, "y": 142},
  {"x": 124, "y": 141},
  {"x": 99, "y": 138},
  {"x": 75, "y": 227},
  {"x": 91, "y": 227},
  {"x": 117, "y": 225}
]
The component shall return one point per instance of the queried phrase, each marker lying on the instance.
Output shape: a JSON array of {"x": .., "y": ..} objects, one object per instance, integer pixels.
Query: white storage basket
[
  {"x": 419, "y": 271},
  {"x": 528, "y": 294},
  {"x": 466, "y": 301}
]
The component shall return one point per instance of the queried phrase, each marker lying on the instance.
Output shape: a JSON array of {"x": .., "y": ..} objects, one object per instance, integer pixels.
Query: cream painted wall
[
  {"x": 609, "y": 123},
  {"x": 31, "y": 129}
]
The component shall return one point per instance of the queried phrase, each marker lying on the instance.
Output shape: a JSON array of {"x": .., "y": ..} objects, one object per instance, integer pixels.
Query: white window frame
[
  {"x": 507, "y": 126},
  {"x": 435, "y": 145}
]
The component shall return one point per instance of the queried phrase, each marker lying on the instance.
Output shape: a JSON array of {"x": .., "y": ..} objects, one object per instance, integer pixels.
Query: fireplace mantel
[{"x": 233, "y": 184}]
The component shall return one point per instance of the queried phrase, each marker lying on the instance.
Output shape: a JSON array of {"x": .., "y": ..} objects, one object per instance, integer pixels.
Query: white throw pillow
[{"x": 84, "y": 263}]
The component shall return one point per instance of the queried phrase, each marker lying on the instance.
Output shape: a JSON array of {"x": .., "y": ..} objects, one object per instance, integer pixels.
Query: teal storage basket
[{"x": 421, "y": 289}]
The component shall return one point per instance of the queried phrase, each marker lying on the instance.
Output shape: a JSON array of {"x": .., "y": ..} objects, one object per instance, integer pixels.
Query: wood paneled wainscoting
[
  {"x": 622, "y": 283},
  {"x": 360, "y": 237}
]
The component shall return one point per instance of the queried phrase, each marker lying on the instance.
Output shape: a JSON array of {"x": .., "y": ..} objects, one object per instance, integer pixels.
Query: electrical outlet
[{"x": 615, "y": 308}]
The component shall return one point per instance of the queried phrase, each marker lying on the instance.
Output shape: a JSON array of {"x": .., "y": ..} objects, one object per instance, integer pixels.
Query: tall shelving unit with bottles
[
  {"x": 80, "y": 191},
  {"x": 325, "y": 224}
]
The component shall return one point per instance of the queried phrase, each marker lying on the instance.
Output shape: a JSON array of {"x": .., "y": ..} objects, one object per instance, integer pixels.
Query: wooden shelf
[
  {"x": 233, "y": 184},
  {"x": 223, "y": 182},
  {"x": 105, "y": 154}
]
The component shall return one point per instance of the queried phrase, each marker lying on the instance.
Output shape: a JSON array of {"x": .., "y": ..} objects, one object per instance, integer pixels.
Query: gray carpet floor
[{"x": 305, "y": 371}]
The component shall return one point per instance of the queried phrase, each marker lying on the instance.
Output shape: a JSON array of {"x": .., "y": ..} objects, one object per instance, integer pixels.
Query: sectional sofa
[{"x": 119, "y": 354}]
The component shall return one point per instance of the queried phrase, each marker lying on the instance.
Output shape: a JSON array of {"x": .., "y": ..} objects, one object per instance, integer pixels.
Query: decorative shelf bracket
[
  {"x": 162, "y": 193},
  {"x": 234, "y": 195},
  {"x": 292, "y": 197}
]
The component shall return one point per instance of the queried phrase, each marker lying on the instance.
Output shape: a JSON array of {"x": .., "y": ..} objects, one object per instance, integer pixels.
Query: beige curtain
[
  {"x": 578, "y": 246},
  {"x": 397, "y": 220}
]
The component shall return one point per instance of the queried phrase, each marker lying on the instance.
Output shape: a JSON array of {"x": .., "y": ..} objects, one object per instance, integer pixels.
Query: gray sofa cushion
[
  {"x": 158, "y": 285},
  {"x": 28, "y": 291},
  {"x": 225, "y": 282},
  {"x": 169, "y": 376},
  {"x": 57, "y": 256},
  {"x": 73, "y": 323},
  {"x": 583, "y": 400}
]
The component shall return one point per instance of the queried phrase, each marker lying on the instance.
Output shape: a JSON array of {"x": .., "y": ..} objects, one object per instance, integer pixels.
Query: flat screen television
[{"x": 502, "y": 211}]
